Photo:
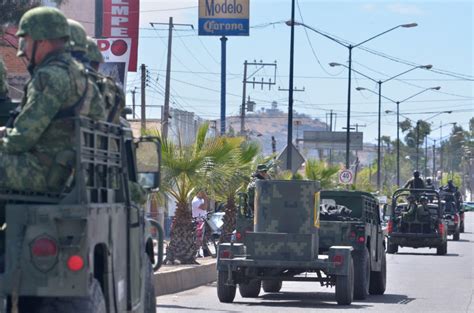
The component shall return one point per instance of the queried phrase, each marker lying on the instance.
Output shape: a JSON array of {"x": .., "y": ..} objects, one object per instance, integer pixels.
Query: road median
[{"x": 176, "y": 278}]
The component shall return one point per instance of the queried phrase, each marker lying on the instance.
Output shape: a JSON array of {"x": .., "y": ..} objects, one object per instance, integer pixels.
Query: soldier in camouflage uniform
[
  {"x": 110, "y": 90},
  {"x": 260, "y": 173},
  {"x": 37, "y": 153}
]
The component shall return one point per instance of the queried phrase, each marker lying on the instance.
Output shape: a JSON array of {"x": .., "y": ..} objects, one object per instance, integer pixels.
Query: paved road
[{"x": 418, "y": 281}]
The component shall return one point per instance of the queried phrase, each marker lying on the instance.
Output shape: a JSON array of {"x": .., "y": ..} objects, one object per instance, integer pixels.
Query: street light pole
[
  {"x": 379, "y": 122},
  {"x": 398, "y": 143},
  {"x": 379, "y": 135},
  {"x": 348, "y": 131},
  {"x": 350, "y": 47}
]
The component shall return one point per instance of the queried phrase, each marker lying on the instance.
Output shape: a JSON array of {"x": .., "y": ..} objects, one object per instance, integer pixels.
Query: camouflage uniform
[
  {"x": 113, "y": 94},
  {"x": 37, "y": 153},
  {"x": 252, "y": 185}
]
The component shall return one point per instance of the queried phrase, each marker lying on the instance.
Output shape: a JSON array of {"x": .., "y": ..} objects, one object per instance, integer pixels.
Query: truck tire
[
  {"x": 456, "y": 235},
  {"x": 361, "y": 273},
  {"x": 251, "y": 289},
  {"x": 271, "y": 285},
  {"x": 378, "y": 280},
  {"x": 225, "y": 293},
  {"x": 443, "y": 249},
  {"x": 391, "y": 248},
  {"x": 345, "y": 286},
  {"x": 150, "y": 297},
  {"x": 94, "y": 303}
]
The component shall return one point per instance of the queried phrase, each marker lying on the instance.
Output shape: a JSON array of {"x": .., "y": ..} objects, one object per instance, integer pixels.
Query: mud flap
[{"x": 339, "y": 260}]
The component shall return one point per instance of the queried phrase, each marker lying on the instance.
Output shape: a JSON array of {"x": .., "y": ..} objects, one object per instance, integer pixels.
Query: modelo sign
[{"x": 223, "y": 17}]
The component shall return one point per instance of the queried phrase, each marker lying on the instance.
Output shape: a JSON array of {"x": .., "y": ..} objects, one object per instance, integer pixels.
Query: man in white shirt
[
  {"x": 199, "y": 208},
  {"x": 199, "y": 204}
]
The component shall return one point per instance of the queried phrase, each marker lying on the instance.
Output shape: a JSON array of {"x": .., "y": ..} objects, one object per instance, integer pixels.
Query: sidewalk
[{"x": 176, "y": 278}]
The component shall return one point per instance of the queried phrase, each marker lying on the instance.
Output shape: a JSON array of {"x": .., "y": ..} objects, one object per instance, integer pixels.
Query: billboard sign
[
  {"x": 120, "y": 19},
  {"x": 332, "y": 140},
  {"x": 116, "y": 53},
  {"x": 223, "y": 17}
]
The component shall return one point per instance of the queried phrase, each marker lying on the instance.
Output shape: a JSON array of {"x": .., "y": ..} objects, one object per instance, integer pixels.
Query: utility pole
[
  {"x": 246, "y": 80},
  {"x": 166, "y": 106},
  {"x": 143, "y": 103},
  {"x": 425, "y": 169},
  {"x": 434, "y": 160},
  {"x": 134, "y": 91},
  {"x": 244, "y": 93}
]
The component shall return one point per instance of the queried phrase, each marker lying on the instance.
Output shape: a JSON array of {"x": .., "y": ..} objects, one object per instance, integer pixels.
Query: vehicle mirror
[{"x": 148, "y": 163}]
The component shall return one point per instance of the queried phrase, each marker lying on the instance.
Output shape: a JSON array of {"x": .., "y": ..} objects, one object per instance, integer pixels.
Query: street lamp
[
  {"x": 398, "y": 124},
  {"x": 292, "y": 22},
  {"x": 380, "y": 82}
]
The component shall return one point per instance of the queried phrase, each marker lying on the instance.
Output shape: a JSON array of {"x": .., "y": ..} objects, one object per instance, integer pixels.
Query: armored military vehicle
[
  {"x": 414, "y": 222},
  {"x": 86, "y": 249},
  {"x": 352, "y": 218},
  {"x": 283, "y": 246}
]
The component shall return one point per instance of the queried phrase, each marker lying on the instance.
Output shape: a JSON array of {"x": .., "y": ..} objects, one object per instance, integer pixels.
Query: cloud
[{"x": 405, "y": 9}]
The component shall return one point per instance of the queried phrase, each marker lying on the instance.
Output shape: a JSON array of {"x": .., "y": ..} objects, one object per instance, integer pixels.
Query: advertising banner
[
  {"x": 223, "y": 17},
  {"x": 332, "y": 140},
  {"x": 116, "y": 52},
  {"x": 120, "y": 19}
]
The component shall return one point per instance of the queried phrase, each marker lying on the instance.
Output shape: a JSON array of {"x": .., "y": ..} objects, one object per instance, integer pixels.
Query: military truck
[
  {"x": 452, "y": 213},
  {"x": 359, "y": 226},
  {"x": 414, "y": 224},
  {"x": 86, "y": 249},
  {"x": 283, "y": 246}
]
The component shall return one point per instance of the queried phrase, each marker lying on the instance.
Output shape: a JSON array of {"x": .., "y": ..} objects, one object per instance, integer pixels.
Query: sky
[{"x": 443, "y": 38}]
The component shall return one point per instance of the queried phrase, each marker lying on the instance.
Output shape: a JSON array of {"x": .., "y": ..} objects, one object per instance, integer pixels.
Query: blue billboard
[{"x": 223, "y": 17}]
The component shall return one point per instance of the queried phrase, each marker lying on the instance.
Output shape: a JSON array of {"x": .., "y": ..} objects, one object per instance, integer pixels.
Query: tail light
[
  {"x": 338, "y": 259},
  {"x": 226, "y": 254},
  {"x": 441, "y": 228},
  {"x": 238, "y": 236},
  {"x": 44, "y": 247},
  {"x": 361, "y": 239},
  {"x": 75, "y": 263},
  {"x": 390, "y": 227},
  {"x": 456, "y": 219}
]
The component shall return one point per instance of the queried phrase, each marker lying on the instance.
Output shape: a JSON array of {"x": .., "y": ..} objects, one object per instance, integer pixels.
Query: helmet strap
[{"x": 32, "y": 63}]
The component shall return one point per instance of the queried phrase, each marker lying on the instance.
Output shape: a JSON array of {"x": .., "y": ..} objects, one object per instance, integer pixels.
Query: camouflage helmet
[
  {"x": 78, "y": 39},
  {"x": 93, "y": 52},
  {"x": 262, "y": 168},
  {"x": 43, "y": 23}
]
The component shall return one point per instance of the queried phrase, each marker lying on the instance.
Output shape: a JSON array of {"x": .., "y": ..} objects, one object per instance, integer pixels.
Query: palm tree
[
  {"x": 239, "y": 168},
  {"x": 183, "y": 169},
  {"x": 321, "y": 171}
]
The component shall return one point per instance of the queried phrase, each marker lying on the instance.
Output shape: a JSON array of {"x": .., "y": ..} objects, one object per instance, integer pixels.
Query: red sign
[{"x": 121, "y": 20}]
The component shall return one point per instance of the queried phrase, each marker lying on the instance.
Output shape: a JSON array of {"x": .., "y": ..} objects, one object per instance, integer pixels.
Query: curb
[{"x": 179, "y": 278}]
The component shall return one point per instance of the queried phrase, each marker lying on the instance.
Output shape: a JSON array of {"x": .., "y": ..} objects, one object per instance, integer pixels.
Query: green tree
[
  {"x": 232, "y": 176},
  {"x": 183, "y": 169},
  {"x": 322, "y": 172}
]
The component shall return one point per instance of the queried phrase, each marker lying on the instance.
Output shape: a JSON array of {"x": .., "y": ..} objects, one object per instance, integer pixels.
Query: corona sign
[{"x": 223, "y": 17}]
